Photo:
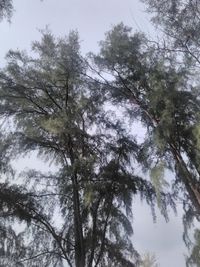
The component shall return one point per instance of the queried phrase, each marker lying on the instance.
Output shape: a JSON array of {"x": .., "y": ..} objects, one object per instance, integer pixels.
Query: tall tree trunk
[
  {"x": 79, "y": 242},
  {"x": 78, "y": 226}
]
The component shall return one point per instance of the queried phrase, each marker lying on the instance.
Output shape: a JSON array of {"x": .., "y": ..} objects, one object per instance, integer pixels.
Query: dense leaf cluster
[
  {"x": 83, "y": 115},
  {"x": 57, "y": 107}
]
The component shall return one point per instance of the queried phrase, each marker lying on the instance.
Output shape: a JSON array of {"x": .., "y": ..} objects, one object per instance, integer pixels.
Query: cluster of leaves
[
  {"x": 157, "y": 92},
  {"x": 56, "y": 107},
  {"x": 180, "y": 22},
  {"x": 6, "y": 9},
  {"x": 59, "y": 105},
  {"x": 161, "y": 93},
  {"x": 149, "y": 260}
]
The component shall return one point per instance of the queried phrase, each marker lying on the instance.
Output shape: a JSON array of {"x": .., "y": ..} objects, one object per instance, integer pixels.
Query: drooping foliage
[
  {"x": 6, "y": 9},
  {"x": 159, "y": 93},
  {"x": 59, "y": 105},
  {"x": 194, "y": 258},
  {"x": 80, "y": 214},
  {"x": 179, "y": 21}
]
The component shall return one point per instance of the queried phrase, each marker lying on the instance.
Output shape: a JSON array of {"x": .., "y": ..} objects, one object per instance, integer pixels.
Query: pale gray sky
[{"x": 92, "y": 18}]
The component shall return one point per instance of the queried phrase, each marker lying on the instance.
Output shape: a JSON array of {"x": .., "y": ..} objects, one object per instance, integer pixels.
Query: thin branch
[{"x": 38, "y": 255}]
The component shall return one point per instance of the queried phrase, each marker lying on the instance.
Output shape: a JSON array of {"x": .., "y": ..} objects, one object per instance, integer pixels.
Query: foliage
[
  {"x": 56, "y": 108},
  {"x": 156, "y": 91},
  {"x": 58, "y": 105},
  {"x": 194, "y": 258},
  {"x": 158, "y": 87},
  {"x": 179, "y": 21},
  {"x": 6, "y": 9},
  {"x": 149, "y": 260}
]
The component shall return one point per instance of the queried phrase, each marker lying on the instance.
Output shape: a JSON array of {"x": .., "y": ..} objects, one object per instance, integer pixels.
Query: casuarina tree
[{"x": 52, "y": 104}]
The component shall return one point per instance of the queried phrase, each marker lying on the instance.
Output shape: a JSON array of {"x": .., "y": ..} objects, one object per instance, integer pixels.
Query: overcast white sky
[{"x": 92, "y": 18}]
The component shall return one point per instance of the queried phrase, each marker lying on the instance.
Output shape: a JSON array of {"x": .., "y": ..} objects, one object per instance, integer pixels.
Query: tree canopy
[
  {"x": 158, "y": 93},
  {"x": 82, "y": 114},
  {"x": 57, "y": 107}
]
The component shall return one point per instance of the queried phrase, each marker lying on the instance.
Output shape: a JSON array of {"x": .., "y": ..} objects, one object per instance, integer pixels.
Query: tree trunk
[{"x": 79, "y": 242}]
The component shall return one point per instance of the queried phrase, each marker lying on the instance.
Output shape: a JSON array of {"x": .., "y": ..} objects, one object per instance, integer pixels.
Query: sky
[{"x": 92, "y": 19}]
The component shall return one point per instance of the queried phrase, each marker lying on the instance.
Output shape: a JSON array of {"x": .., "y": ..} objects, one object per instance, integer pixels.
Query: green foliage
[
  {"x": 149, "y": 260},
  {"x": 6, "y": 9},
  {"x": 158, "y": 181},
  {"x": 57, "y": 110},
  {"x": 180, "y": 22},
  {"x": 194, "y": 259},
  {"x": 158, "y": 85},
  {"x": 56, "y": 102}
]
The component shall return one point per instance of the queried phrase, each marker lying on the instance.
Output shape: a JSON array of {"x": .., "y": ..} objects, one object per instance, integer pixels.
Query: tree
[
  {"x": 6, "y": 9},
  {"x": 158, "y": 92},
  {"x": 179, "y": 21},
  {"x": 55, "y": 107}
]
